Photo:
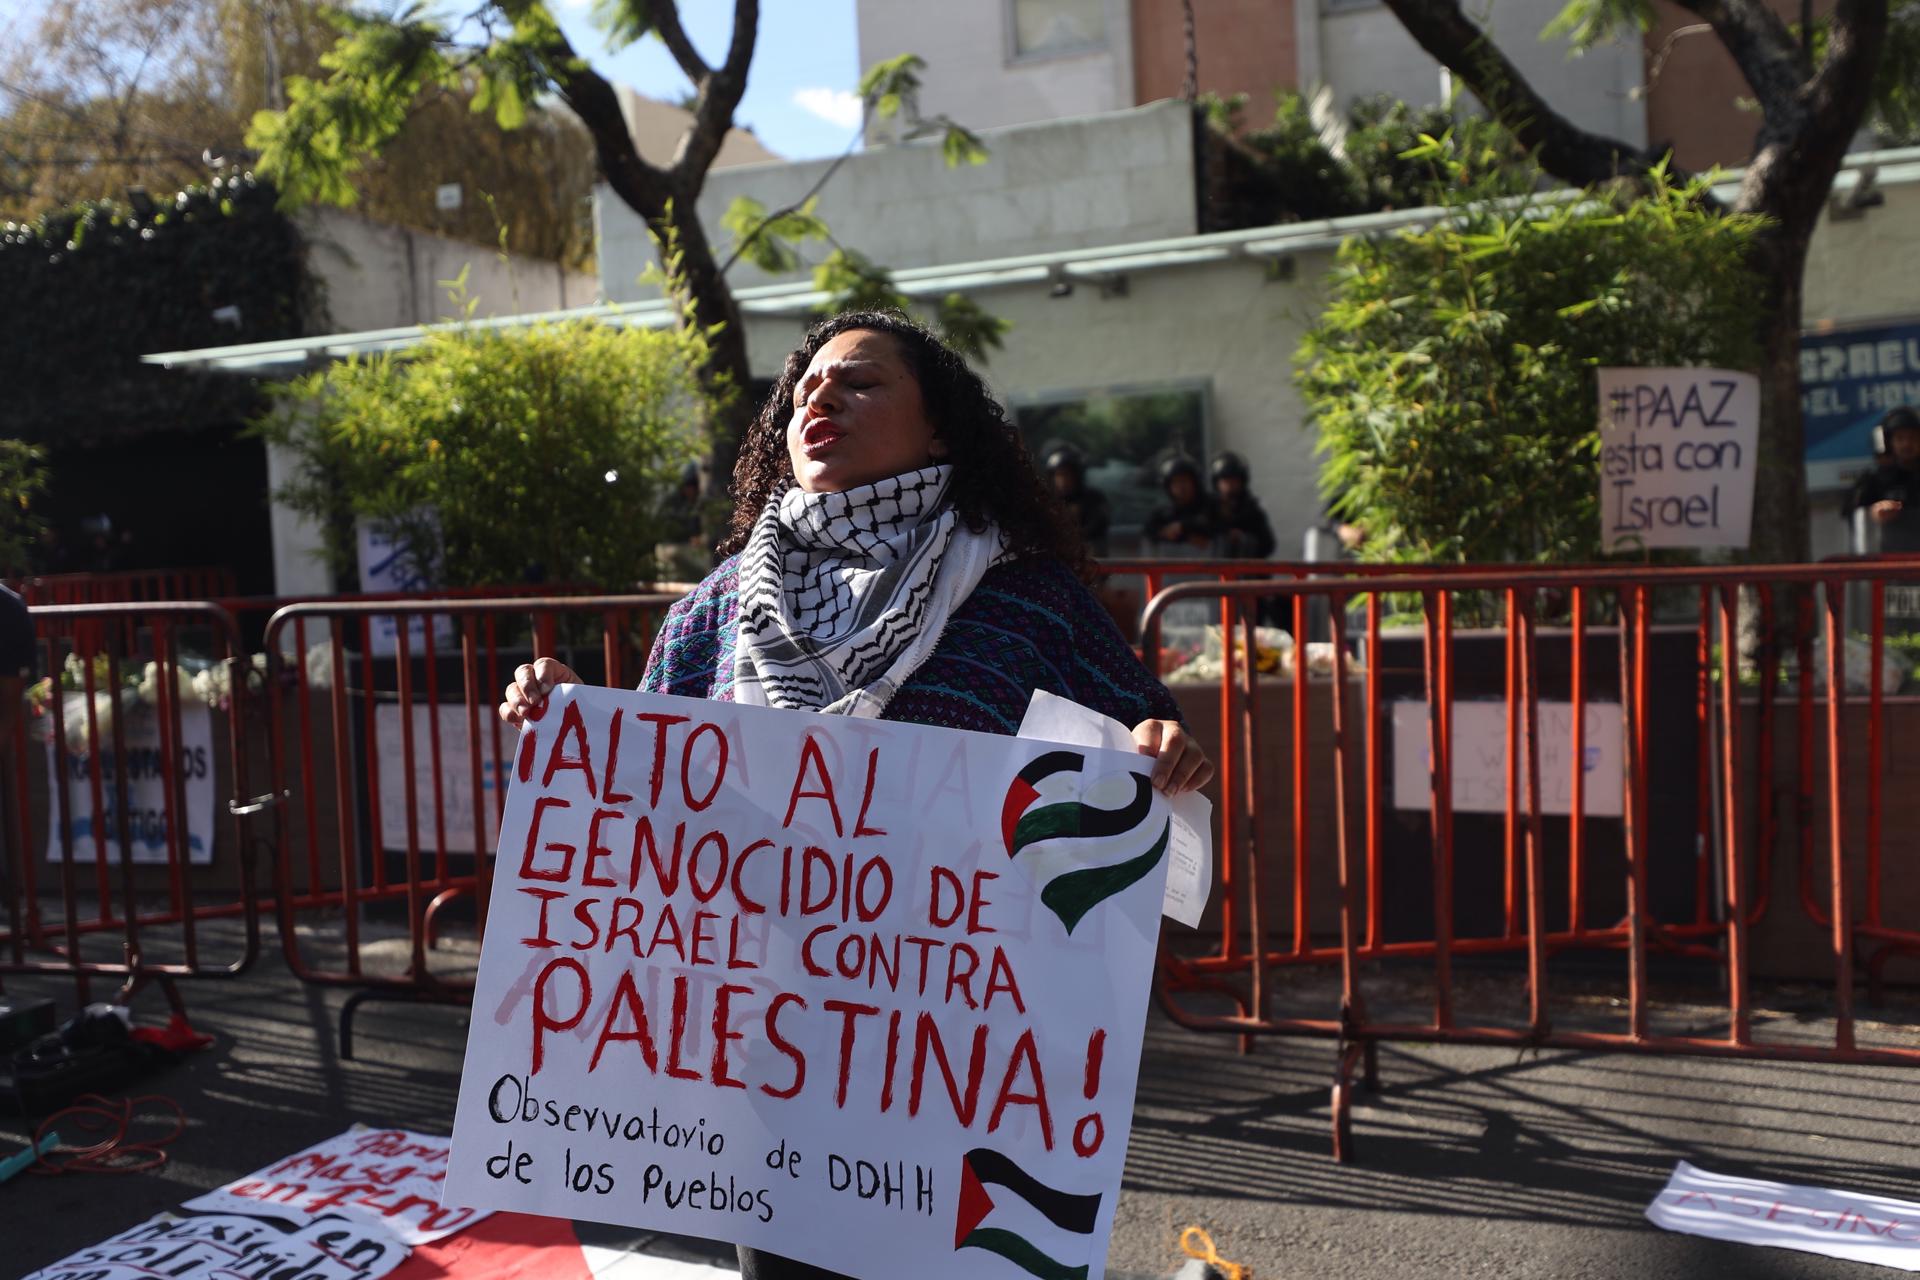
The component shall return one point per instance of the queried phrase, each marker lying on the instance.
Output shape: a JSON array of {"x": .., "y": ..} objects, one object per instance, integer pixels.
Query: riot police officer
[
  {"x": 1242, "y": 531},
  {"x": 1087, "y": 506}
]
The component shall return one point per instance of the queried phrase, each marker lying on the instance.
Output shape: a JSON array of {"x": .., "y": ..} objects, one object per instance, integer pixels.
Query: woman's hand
[
  {"x": 526, "y": 698},
  {"x": 1179, "y": 763}
]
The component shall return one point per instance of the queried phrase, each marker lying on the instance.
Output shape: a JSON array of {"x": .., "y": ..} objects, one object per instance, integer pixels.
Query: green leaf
[
  {"x": 968, "y": 328},
  {"x": 1586, "y": 23},
  {"x": 961, "y": 145},
  {"x": 768, "y": 242},
  {"x": 856, "y": 284},
  {"x": 623, "y": 21},
  {"x": 893, "y": 84}
]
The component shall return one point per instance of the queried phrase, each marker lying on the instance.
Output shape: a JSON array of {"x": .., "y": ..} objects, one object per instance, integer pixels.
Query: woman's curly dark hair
[{"x": 994, "y": 479}]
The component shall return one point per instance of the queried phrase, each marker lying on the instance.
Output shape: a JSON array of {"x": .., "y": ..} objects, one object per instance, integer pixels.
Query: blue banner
[{"x": 1849, "y": 378}]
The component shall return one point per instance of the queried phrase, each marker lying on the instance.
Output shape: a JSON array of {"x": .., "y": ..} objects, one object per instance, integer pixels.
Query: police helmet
[
  {"x": 1178, "y": 464},
  {"x": 1228, "y": 463},
  {"x": 1901, "y": 419},
  {"x": 1067, "y": 456}
]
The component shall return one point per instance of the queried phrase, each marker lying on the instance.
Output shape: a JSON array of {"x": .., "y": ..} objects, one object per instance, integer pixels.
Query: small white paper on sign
[
  {"x": 1839, "y": 1224},
  {"x": 1051, "y": 718}
]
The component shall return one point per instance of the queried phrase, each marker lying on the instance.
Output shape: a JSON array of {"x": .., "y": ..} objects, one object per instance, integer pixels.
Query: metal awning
[{"x": 287, "y": 357}]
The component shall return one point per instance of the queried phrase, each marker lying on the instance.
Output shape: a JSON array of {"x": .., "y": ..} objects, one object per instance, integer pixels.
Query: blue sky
[
  {"x": 800, "y": 91},
  {"x": 800, "y": 98}
]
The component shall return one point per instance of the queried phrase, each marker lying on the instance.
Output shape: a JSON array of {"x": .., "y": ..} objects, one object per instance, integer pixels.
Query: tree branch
[
  {"x": 1763, "y": 49},
  {"x": 664, "y": 16},
  {"x": 642, "y": 186},
  {"x": 747, "y": 240},
  {"x": 1566, "y": 151},
  {"x": 1658, "y": 62},
  {"x": 713, "y": 110},
  {"x": 1854, "y": 41},
  {"x": 1794, "y": 166}
]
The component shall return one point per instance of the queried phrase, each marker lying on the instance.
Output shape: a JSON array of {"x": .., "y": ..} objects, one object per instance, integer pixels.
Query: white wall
[
  {"x": 971, "y": 74},
  {"x": 379, "y": 276},
  {"x": 1070, "y": 184},
  {"x": 1365, "y": 51}
]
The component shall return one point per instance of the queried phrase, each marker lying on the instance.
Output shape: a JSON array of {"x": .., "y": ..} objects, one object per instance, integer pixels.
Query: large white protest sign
[
  {"x": 1839, "y": 1224},
  {"x": 147, "y": 801},
  {"x": 225, "y": 1247},
  {"x": 391, "y": 1177},
  {"x": 443, "y": 800},
  {"x": 865, "y": 994},
  {"x": 1480, "y": 758},
  {"x": 1677, "y": 457}
]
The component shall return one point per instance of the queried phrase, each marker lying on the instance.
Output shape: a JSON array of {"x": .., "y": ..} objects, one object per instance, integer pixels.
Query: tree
[
  {"x": 1813, "y": 89},
  {"x": 1451, "y": 375},
  {"x": 512, "y": 51},
  {"x": 111, "y": 95}
]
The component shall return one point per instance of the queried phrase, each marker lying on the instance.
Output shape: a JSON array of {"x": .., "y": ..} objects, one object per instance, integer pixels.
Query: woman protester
[{"x": 894, "y": 553}]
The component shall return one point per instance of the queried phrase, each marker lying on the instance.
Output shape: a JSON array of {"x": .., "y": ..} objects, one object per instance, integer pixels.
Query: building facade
[
  {"x": 1004, "y": 62},
  {"x": 1083, "y": 235}
]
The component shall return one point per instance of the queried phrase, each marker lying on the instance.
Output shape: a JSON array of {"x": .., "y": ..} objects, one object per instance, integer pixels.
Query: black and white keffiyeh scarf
[{"x": 844, "y": 595}]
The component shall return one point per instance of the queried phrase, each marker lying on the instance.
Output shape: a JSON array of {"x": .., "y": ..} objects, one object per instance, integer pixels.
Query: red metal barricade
[
  {"x": 1689, "y": 876},
  {"x": 387, "y": 744},
  {"x": 136, "y": 585},
  {"x": 137, "y": 742}
]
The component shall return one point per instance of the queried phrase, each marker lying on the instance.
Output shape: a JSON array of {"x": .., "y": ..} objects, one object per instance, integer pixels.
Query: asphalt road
[{"x": 1471, "y": 1162}]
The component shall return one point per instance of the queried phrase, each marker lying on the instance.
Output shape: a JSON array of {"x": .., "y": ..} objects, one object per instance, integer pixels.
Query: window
[
  {"x": 1043, "y": 28},
  {"x": 1125, "y": 435}
]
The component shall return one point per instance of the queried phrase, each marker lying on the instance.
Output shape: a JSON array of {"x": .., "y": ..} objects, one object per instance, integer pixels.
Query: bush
[
  {"x": 23, "y": 479},
  {"x": 1384, "y": 149},
  {"x": 1293, "y": 170},
  {"x": 499, "y": 457},
  {"x": 1451, "y": 379}
]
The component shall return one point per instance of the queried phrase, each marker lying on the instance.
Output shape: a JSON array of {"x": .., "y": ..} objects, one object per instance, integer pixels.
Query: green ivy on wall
[{"x": 90, "y": 290}]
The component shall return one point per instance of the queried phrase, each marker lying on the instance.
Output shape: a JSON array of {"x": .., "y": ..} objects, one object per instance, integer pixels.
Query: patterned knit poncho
[{"x": 1028, "y": 625}]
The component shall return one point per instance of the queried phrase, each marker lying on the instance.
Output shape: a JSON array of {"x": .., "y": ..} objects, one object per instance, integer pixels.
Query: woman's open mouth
[{"x": 819, "y": 436}]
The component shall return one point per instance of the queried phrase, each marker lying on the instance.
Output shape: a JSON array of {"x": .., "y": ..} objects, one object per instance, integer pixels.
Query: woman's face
[{"x": 858, "y": 416}]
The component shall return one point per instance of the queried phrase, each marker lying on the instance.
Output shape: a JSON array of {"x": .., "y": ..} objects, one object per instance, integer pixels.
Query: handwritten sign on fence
[
  {"x": 444, "y": 813},
  {"x": 149, "y": 807},
  {"x": 1677, "y": 457},
  {"x": 868, "y": 995},
  {"x": 1481, "y": 758}
]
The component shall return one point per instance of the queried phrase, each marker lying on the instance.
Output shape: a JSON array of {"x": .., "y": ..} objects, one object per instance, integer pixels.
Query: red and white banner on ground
[
  {"x": 387, "y": 1176},
  {"x": 1839, "y": 1224}
]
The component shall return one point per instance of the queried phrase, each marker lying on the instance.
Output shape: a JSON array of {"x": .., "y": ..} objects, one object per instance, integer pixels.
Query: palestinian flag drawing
[
  {"x": 1080, "y": 853},
  {"x": 1032, "y": 1227}
]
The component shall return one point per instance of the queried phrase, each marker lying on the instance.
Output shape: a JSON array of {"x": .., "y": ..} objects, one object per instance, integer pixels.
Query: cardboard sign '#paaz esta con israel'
[
  {"x": 1678, "y": 456},
  {"x": 864, "y": 994}
]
